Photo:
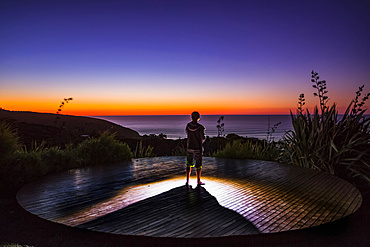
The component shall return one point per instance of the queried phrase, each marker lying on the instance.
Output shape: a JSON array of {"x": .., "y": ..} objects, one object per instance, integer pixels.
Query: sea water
[{"x": 173, "y": 126}]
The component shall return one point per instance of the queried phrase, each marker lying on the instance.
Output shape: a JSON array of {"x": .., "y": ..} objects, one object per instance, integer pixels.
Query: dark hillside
[{"x": 59, "y": 129}]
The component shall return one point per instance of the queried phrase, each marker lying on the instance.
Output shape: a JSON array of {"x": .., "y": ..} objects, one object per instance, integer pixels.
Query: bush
[
  {"x": 102, "y": 149},
  {"x": 328, "y": 142},
  {"x": 141, "y": 151},
  {"x": 58, "y": 159},
  {"x": 9, "y": 146},
  {"x": 212, "y": 145},
  {"x": 248, "y": 150},
  {"x": 19, "y": 166},
  {"x": 9, "y": 142},
  {"x": 180, "y": 150},
  {"x": 30, "y": 165}
]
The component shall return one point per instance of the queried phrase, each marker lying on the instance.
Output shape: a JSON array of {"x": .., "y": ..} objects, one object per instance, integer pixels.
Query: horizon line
[{"x": 148, "y": 115}]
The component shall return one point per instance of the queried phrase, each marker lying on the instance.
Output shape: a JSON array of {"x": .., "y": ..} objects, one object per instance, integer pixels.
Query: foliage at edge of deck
[
  {"x": 325, "y": 141},
  {"x": 19, "y": 165}
]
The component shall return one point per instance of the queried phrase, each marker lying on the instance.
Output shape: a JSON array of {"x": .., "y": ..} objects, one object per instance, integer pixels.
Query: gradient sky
[{"x": 173, "y": 57}]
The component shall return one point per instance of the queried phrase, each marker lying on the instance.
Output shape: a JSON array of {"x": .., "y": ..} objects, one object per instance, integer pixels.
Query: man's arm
[{"x": 203, "y": 135}]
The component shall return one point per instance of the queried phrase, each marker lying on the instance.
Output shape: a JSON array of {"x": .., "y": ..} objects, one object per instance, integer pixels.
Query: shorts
[{"x": 194, "y": 156}]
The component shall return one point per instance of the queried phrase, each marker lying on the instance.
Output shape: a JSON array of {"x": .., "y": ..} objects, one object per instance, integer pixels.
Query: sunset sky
[{"x": 173, "y": 57}]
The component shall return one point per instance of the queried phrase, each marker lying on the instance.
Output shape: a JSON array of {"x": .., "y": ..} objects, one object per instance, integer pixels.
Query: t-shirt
[{"x": 195, "y": 132}]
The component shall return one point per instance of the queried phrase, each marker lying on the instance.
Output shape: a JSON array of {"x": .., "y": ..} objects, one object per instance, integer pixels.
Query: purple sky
[{"x": 148, "y": 54}]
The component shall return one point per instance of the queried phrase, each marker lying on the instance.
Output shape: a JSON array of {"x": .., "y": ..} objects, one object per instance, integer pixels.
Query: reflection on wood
[
  {"x": 148, "y": 197},
  {"x": 179, "y": 212}
]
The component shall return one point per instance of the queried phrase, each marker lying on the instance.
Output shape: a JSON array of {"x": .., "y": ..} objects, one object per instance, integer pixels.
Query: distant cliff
[{"x": 60, "y": 129}]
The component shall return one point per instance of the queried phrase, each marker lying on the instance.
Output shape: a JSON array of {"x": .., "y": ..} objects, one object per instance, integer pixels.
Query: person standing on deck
[{"x": 196, "y": 137}]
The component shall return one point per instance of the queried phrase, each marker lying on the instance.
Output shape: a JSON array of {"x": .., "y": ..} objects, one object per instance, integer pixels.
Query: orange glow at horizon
[
  {"x": 140, "y": 109},
  {"x": 210, "y": 105}
]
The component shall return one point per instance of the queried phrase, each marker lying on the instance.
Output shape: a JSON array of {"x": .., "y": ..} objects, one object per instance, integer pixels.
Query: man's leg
[
  {"x": 198, "y": 159},
  {"x": 199, "y": 171},
  {"x": 188, "y": 171},
  {"x": 189, "y": 165}
]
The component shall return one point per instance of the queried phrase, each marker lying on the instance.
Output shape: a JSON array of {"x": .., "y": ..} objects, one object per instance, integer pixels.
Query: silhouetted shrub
[
  {"x": 214, "y": 144},
  {"x": 9, "y": 142},
  {"x": 19, "y": 165},
  {"x": 141, "y": 151},
  {"x": 180, "y": 150},
  {"x": 327, "y": 141},
  {"x": 103, "y": 149},
  {"x": 271, "y": 131},
  {"x": 9, "y": 146},
  {"x": 58, "y": 159},
  {"x": 220, "y": 127},
  {"x": 248, "y": 150}
]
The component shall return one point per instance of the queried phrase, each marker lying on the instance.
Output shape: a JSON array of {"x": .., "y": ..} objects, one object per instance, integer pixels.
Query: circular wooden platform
[{"x": 148, "y": 197}]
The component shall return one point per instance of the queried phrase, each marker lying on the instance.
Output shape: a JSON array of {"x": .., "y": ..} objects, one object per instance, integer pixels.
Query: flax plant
[{"x": 326, "y": 141}]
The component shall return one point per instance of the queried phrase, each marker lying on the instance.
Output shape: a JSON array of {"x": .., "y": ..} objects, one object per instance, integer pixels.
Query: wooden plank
[
  {"x": 298, "y": 212},
  {"x": 290, "y": 211},
  {"x": 337, "y": 203},
  {"x": 273, "y": 199},
  {"x": 284, "y": 211},
  {"x": 321, "y": 208},
  {"x": 240, "y": 197},
  {"x": 349, "y": 204}
]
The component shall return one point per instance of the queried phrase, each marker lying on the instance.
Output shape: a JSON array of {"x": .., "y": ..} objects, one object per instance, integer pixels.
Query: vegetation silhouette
[
  {"x": 62, "y": 103},
  {"x": 271, "y": 131},
  {"x": 19, "y": 165},
  {"x": 141, "y": 151},
  {"x": 326, "y": 141},
  {"x": 220, "y": 127},
  {"x": 321, "y": 90}
]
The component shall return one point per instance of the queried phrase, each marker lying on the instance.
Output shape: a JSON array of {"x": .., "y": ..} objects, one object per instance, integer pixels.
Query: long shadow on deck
[{"x": 179, "y": 212}]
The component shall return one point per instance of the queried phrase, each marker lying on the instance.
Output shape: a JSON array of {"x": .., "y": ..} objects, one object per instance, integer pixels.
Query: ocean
[{"x": 173, "y": 126}]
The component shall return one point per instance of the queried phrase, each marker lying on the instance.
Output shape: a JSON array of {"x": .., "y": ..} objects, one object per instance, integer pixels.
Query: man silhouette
[{"x": 196, "y": 137}]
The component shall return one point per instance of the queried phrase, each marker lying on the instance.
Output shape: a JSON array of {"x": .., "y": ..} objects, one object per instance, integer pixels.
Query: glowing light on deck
[
  {"x": 231, "y": 194},
  {"x": 126, "y": 197}
]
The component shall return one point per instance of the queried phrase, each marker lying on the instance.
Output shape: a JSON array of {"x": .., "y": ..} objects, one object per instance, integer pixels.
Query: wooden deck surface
[{"x": 148, "y": 197}]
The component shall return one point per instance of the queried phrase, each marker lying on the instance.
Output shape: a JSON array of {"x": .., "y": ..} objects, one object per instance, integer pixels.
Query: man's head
[{"x": 195, "y": 116}]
